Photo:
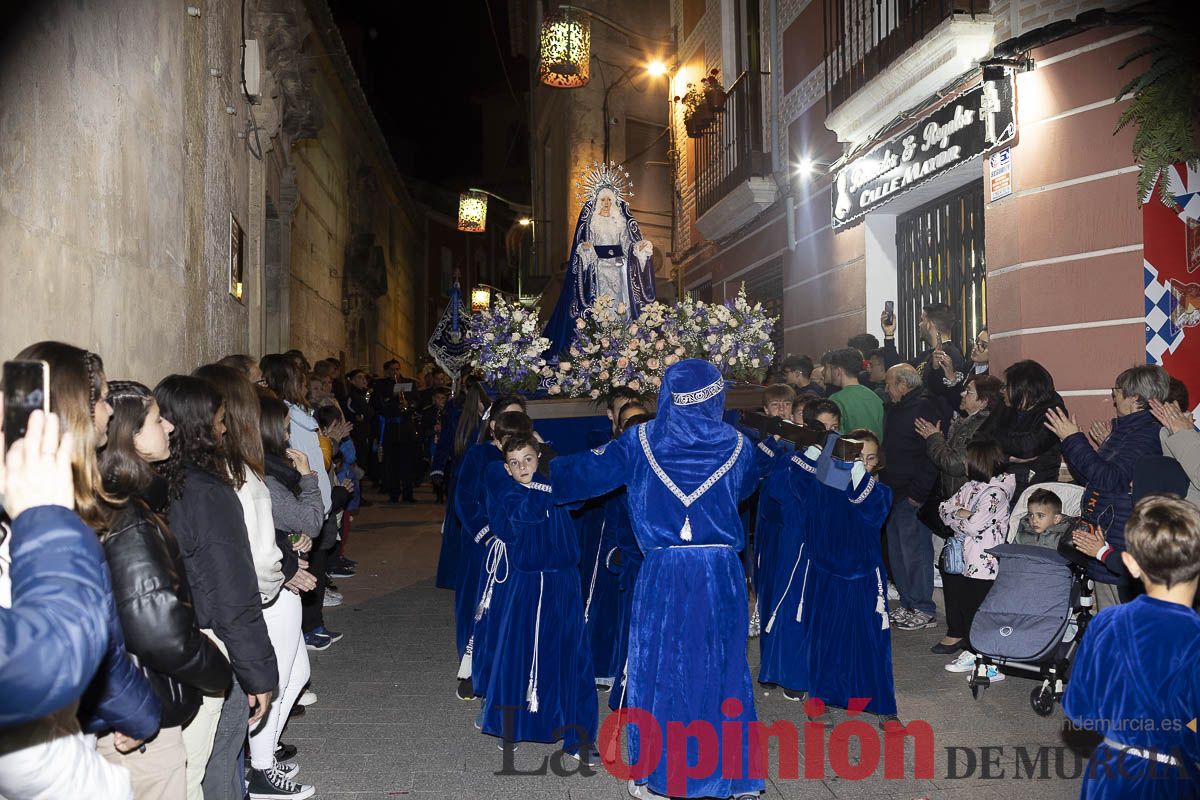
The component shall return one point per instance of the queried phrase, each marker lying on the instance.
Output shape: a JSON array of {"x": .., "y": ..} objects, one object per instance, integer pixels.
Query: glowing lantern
[
  {"x": 472, "y": 212},
  {"x": 565, "y": 49},
  {"x": 481, "y": 299}
]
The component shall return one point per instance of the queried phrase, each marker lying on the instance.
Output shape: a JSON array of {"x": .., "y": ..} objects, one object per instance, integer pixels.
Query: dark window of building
[
  {"x": 703, "y": 292},
  {"x": 765, "y": 285},
  {"x": 939, "y": 259}
]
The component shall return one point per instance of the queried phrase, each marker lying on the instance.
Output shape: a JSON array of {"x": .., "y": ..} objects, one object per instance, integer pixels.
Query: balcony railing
[
  {"x": 730, "y": 151},
  {"x": 863, "y": 37}
]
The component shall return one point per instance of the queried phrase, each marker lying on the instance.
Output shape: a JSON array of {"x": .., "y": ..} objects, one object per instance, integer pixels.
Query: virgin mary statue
[{"x": 608, "y": 256}]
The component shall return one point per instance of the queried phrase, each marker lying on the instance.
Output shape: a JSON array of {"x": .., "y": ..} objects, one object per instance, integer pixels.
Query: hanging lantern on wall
[
  {"x": 566, "y": 46},
  {"x": 472, "y": 212}
]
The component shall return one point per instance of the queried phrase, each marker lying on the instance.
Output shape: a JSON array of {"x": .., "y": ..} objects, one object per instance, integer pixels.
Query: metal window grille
[
  {"x": 765, "y": 285},
  {"x": 939, "y": 259}
]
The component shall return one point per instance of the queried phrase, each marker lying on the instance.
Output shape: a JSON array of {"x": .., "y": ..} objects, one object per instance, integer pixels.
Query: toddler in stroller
[{"x": 1034, "y": 617}]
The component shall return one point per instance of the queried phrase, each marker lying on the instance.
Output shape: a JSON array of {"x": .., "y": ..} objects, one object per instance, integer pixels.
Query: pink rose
[
  {"x": 659, "y": 345},
  {"x": 603, "y": 376},
  {"x": 622, "y": 362},
  {"x": 652, "y": 363},
  {"x": 635, "y": 385},
  {"x": 555, "y": 389}
]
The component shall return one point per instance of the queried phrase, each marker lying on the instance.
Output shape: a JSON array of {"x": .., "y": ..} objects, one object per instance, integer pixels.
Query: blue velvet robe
[
  {"x": 617, "y": 522},
  {"x": 599, "y": 585},
  {"x": 441, "y": 461},
  {"x": 829, "y": 627},
  {"x": 469, "y": 507},
  {"x": 1138, "y": 663},
  {"x": 687, "y": 637},
  {"x": 541, "y": 675},
  {"x": 766, "y": 453}
]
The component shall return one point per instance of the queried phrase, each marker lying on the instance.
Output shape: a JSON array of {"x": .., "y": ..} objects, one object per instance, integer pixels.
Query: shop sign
[
  {"x": 974, "y": 123},
  {"x": 999, "y": 175}
]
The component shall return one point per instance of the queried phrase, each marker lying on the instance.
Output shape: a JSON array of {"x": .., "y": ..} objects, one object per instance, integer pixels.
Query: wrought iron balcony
[
  {"x": 864, "y": 37},
  {"x": 730, "y": 151}
]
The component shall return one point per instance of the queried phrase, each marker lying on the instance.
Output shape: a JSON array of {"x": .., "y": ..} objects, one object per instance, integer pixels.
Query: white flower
[
  {"x": 565, "y": 366},
  {"x": 580, "y": 324},
  {"x": 594, "y": 393},
  {"x": 635, "y": 384},
  {"x": 555, "y": 389}
]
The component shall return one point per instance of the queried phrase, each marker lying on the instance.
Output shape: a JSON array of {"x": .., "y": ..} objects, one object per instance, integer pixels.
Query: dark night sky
[{"x": 424, "y": 74}]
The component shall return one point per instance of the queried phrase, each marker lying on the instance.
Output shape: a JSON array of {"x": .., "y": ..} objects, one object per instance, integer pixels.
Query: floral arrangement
[
  {"x": 609, "y": 351},
  {"x": 506, "y": 346}
]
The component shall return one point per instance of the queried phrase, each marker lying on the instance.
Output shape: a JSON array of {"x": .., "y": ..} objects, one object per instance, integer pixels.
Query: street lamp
[
  {"x": 472, "y": 211},
  {"x": 566, "y": 45}
]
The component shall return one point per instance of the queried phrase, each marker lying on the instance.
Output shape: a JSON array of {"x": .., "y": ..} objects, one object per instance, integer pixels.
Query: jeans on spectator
[
  {"x": 910, "y": 550},
  {"x": 222, "y": 778}
]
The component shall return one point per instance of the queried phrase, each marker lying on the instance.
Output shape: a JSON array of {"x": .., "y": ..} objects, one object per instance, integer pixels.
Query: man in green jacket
[{"x": 861, "y": 407}]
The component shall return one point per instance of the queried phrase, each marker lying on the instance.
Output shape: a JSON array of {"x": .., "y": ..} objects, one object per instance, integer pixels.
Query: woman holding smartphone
[
  {"x": 206, "y": 517},
  {"x": 151, "y": 590}
]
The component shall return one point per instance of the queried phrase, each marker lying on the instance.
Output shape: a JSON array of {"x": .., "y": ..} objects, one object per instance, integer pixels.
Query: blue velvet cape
[
  {"x": 441, "y": 461},
  {"x": 1135, "y": 681},
  {"x": 540, "y": 686},
  {"x": 469, "y": 507},
  {"x": 687, "y": 637}
]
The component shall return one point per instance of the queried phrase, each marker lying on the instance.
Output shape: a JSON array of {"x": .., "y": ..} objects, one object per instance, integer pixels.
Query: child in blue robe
[
  {"x": 685, "y": 471},
  {"x": 599, "y": 586},
  {"x": 1135, "y": 680},
  {"x": 540, "y": 686},
  {"x": 471, "y": 509}
]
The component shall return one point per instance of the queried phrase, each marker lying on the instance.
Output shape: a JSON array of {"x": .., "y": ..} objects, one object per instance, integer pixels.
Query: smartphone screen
[
  {"x": 26, "y": 388},
  {"x": 889, "y": 308}
]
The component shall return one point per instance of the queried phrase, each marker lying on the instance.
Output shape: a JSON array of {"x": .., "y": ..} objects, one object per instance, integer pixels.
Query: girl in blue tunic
[
  {"x": 540, "y": 686},
  {"x": 685, "y": 473},
  {"x": 471, "y": 511}
]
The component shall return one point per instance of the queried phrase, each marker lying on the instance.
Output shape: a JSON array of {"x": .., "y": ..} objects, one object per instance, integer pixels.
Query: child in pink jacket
[{"x": 978, "y": 515}]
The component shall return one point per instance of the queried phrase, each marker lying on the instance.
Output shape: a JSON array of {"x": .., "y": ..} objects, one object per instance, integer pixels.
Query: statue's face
[{"x": 605, "y": 202}]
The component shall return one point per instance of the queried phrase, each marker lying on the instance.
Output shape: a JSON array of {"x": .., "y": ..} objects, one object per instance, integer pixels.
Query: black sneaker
[
  {"x": 270, "y": 784},
  {"x": 465, "y": 690},
  {"x": 286, "y": 752},
  {"x": 795, "y": 697},
  {"x": 341, "y": 572}
]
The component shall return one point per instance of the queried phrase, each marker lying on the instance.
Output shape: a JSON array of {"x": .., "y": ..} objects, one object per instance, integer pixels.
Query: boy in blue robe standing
[
  {"x": 687, "y": 640},
  {"x": 539, "y": 686},
  {"x": 1135, "y": 679}
]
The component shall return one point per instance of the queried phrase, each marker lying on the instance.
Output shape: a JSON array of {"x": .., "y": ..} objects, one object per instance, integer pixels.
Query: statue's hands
[
  {"x": 585, "y": 247},
  {"x": 644, "y": 249}
]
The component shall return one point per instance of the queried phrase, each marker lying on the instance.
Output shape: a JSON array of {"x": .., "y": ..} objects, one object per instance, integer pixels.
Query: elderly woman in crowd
[{"x": 1107, "y": 473}]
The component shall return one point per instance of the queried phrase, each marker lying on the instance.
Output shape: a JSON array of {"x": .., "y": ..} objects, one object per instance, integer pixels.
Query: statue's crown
[{"x": 600, "y": 175}]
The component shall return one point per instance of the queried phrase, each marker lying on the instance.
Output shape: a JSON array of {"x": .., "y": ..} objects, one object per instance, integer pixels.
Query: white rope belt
[
  {"x": 497, "y": 553},
  {"x": 587, "y": 608},
  {"x": 531, "y": 690},
  {"x": 774, "y": 611},
  {"x": 1149, "y": 755}
]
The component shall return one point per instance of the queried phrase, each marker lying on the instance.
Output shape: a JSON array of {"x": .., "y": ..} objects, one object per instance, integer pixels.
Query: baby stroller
[{"x": 1035, "y": 615}]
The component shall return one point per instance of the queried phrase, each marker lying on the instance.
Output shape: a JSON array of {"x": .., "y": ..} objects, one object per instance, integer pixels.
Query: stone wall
[{"x": 125, "y": 146}]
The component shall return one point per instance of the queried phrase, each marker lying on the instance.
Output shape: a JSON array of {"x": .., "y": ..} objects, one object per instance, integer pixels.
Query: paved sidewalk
[{"x": 387, "y": 723}]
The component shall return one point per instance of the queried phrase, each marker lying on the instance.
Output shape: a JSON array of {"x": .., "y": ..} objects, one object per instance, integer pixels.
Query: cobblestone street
[{"x": 387, "y": 722}]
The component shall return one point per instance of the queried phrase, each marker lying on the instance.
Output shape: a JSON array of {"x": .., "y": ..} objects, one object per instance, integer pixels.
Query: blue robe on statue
[
  {"x": 685, "y": 472},
  {"x": 830, "y": 634},
  {"x": 471, "y": 510},
  {"x": 599, "y": 586},
  {"x": 1137, "y": 663},
  {"x": 540, "y": 686},
  {"x": 580, "y": 285},
  {"x": 616, "y": 520}
]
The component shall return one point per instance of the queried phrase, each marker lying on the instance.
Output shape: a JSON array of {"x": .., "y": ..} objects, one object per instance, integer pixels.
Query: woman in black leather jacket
[{"x": 150, "y": 587}]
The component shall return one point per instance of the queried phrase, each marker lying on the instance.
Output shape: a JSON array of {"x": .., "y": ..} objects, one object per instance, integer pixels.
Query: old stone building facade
[{"x": 132, "y": 154}]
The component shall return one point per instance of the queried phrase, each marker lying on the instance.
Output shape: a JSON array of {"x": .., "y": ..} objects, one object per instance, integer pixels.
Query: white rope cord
[
  {"x": 782, "y": 597},
  {"x": 587, "y": 608},
  {"x": 531, "y": 690},
  {"x": 803, "y": 589},
  {"x": 497, "y": 552}
]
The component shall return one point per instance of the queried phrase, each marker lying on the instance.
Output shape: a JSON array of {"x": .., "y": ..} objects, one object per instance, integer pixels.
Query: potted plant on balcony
[
  {"x": 697, "y": 115},
  {"x": 714, "y": 93}
]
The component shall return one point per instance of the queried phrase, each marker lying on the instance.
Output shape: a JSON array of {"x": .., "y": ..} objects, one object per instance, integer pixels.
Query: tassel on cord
[
  {"x": 531, "y": 690},
  {"x": 880, "y": 605},
  {"x": 464, "y": 667},
  {"x": 803, "y": 588},
  {"x": 786, "y": 589},
  {"x": 685, "y": 532}
]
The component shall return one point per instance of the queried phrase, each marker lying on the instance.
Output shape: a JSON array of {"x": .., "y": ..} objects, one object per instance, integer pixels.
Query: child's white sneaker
[
  {"x": 994, "y": 675},
  {"x": 964, "y": 663}
]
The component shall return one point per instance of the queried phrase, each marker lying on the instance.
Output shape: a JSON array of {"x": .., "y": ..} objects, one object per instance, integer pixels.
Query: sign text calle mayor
[{"x": 974, "y": 123}]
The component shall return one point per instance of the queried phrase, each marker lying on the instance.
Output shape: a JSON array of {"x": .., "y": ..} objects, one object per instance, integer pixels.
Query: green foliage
[{"x": 1166, "y": 96}]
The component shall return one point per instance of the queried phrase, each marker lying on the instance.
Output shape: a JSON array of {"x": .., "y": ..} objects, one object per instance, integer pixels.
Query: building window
[
  {"x": 765, "y": 285},
  {"x": 703, "y": 292},
  {"x": 939, "y": 259}
]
